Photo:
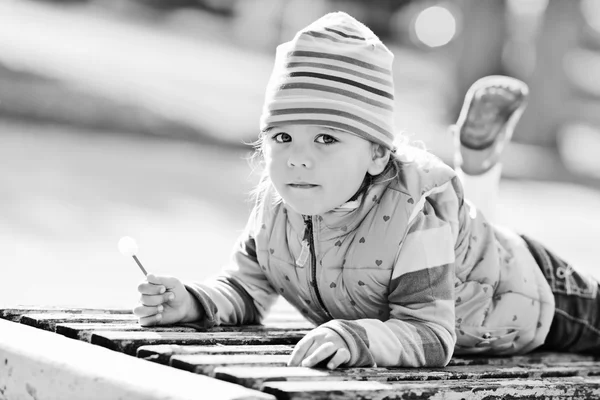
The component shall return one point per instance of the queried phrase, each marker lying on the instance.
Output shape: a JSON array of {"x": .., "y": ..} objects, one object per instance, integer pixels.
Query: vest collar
[{"x": 341, "y": 220}]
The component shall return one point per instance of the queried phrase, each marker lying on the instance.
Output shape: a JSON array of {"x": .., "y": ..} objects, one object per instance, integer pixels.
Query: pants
[{"x": 576, "y": 324}]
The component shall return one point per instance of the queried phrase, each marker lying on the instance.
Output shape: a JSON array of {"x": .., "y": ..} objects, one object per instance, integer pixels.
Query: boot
[{"x": 493, "y": 105}]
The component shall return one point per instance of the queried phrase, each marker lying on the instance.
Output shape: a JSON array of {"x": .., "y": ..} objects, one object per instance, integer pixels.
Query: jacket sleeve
[
  {"x": 420, "y": 329},
  {"x": 241, "y": 294}
]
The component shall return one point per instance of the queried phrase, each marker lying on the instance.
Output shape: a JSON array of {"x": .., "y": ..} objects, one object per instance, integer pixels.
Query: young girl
[{"x": 375, "y": 244}]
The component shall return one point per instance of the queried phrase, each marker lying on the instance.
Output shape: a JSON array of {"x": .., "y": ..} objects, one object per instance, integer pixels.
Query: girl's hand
[
  {"x": 318, "y": 345},
  {"x": 164, "y": 300}
]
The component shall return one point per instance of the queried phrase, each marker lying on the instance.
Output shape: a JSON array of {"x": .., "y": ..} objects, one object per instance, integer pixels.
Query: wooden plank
[
  {"x": 284, "y": 322},
  {"x": 84, "y": 331},
  {"x": 530, "y": 358},
  {"x": 128, "y": 342},
  {"x": 256, "y": 377},
  {"x": 162, "y": 353},
  {"x": 48, "y": 321},
  {"x": 37, "y": 364},
  {"x": 206, "y": 364},
  {"x": 15, "y": 313},
  {"x": 468, "y": 389},
  {"x": 280, "y": 326}
]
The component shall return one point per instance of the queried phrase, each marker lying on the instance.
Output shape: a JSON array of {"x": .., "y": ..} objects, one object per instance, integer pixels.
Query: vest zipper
[{"x": 313, "y": 262}]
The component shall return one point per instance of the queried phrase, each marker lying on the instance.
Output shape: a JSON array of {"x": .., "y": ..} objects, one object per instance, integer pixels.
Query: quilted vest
[{"x": 351, "y": 251}]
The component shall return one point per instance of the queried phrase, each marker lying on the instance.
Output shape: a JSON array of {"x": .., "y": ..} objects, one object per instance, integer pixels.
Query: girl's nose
[{"x": 300, "y": 159}]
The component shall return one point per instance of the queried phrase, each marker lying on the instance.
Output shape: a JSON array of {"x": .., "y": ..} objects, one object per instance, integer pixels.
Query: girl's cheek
[
  {"x": 273, "y": 155},
  {"x": 269, "y": 152},
  {"x": 269, "y": 160}
]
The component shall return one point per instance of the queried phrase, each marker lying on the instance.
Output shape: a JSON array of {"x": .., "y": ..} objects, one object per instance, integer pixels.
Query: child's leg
[
  {"x": 576, "y": 323},
  {"x": 492, "y": 108},
  {"x": 482, "y": 190}
]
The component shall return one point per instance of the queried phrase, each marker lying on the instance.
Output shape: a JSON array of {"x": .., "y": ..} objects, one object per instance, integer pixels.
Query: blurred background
[{"x": 130, "y": 117}]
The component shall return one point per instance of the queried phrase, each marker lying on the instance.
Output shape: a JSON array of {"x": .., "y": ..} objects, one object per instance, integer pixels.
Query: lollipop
[{"x": 128, "y": 247}]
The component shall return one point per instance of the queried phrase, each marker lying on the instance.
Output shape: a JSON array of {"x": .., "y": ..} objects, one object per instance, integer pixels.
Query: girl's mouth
[{"x": 302, "y": 185}]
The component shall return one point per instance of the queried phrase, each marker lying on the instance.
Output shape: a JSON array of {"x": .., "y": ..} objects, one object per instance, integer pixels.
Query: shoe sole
[{"x": 485, "y": 156}]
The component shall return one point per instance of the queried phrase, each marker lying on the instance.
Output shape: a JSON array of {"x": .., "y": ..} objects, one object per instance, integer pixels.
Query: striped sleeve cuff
[
  {"x": 209, "y": 306},
  {"x": 225, "y": 302}
]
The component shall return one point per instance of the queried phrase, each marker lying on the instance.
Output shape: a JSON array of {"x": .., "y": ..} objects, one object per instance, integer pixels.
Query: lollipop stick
[{"x": 140, "y": 265}]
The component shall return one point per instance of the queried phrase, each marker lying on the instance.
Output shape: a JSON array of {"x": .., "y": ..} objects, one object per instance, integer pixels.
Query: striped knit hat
[{"x": 334, "y": 73}]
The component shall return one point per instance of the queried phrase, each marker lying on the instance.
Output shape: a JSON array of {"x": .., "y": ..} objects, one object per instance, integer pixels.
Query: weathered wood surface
[
  {"x": 37, "y": 364},
  {"x": 255, "y": 376},
  {"x": 255, "y": 357},
  {"x": 206, "y": 364},
  {"x": 48, "y": 321},
  {"x": 485, "y": 389},
  {"x": 129, "y": 342},
  {"x": 162, "y": 353},
  {"x": 15, "y": 313},
  {"x": 535, "y": 358},
  {"x": 84, "y": 331}
]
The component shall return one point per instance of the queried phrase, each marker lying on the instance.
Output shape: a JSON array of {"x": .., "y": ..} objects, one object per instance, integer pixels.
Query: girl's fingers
[
  {"x": 341, "y": 356},
  {"x": 151, "y": 288},
  {"x": 143, "y": 311},
  {"x": 168, "y": 282},
  {"x": 322, "y": 352},
  {"x": 151, "y": 320},
  {"x": 156, "y": 299},
  {"x": 300, "y": 350}
]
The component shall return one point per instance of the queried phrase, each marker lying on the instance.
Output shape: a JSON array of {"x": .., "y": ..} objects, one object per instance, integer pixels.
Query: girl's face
[{"x": 316, "y": 169}]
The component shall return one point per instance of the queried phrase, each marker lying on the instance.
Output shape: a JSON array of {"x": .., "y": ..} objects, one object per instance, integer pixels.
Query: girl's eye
[
  {"x": 282, "y": 137},
  {"x": 325, "y": 139}
]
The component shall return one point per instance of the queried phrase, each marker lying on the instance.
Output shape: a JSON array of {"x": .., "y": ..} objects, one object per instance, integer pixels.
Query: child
[{"x": 375, "y": 244}]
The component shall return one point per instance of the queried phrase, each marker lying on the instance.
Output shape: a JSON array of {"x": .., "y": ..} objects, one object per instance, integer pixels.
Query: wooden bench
[{"x": 39, "y": 359}]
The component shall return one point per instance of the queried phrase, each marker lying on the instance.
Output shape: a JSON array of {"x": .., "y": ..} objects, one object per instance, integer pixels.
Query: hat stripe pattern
[
  {"x": 337, "y": 33},
  {"x": 334, "y": 73},
  {"x": 342, "y": 92},
  {"x": 328, "y": 37},
  {"x": 349, "y": 60},
  {"x": 342, "y": 80},
  {"x": 337, "y": 69},
  {"x": 345, "y": 34}
]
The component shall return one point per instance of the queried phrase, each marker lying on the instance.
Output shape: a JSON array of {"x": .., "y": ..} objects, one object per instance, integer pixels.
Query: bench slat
[
  {"x": 280, "y": 327},
  {"x": 128, "y": 342},
  {"x": 48, "y": 321},
  {"x": 43, "y": 365},
  {"x": 563, "y": 388},
  {"x": 14, "y": 314},
  {"x": 84, "y": 331},
  {"x": 256, "y": 376},
  {"x": 162, "y": 353},
  {"x": 206, "y": 364},
  {"x": 530, "y": 358}
]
